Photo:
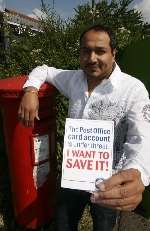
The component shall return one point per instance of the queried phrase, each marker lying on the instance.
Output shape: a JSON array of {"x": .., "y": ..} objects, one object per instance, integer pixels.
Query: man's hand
[
  {"x": 122, "y": 191},
  {"x": 28, "y": 109}
]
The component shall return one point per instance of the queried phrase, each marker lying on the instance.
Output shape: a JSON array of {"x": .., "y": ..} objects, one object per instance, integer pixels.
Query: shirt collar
[{"x": 113, "y": 78}]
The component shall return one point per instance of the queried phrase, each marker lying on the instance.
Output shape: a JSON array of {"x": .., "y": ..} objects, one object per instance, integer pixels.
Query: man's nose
[{"x": 93, "y": 56}]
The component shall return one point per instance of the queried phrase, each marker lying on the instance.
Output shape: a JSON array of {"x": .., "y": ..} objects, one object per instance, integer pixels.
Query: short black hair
[{"x": 101, "y": 28}]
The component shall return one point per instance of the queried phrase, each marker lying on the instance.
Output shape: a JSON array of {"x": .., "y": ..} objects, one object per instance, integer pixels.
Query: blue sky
[{"x": 65, "y": 7}]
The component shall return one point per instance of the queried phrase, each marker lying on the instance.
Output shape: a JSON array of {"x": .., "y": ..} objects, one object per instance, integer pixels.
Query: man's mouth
[{"x": 92, "y": 66}]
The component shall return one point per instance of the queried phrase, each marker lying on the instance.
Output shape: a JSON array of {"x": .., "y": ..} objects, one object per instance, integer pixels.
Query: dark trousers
[{"x": 70, "y": 207}]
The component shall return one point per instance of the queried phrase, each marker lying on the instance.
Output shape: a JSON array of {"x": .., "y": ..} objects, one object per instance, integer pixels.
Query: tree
[
  {"x": 127, "y": 23},
  {"x": 60, "y": 40}
]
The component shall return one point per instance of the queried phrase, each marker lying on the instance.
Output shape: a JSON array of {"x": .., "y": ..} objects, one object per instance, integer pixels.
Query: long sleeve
[
  {"x": 137, "y": 145},
  {"x": 61, "y": 79}
]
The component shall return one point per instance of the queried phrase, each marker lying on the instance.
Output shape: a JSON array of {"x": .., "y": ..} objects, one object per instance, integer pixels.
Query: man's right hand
[{"x": 29, "y": 106}]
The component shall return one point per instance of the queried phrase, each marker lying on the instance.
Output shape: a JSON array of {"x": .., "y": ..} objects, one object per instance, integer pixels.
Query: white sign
[
  {"x": 41, "y": 148},
  {"x": 40, "y": 174},
  {"x": 87, "y": 153}
]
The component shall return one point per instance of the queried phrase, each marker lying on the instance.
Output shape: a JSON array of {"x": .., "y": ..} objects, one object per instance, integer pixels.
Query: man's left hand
[{"x": 122, "y": 191}]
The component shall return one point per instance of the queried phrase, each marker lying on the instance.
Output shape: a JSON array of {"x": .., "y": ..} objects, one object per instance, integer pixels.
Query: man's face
[{"x": 96, "y": 55}]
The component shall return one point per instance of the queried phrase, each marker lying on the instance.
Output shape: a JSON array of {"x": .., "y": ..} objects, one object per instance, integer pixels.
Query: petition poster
[{"x": 87, "y": 153}]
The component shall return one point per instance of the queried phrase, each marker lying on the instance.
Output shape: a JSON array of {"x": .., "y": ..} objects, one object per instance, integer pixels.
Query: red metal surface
[
  {"x": 33, "y": 206},
  {"x": 12, "y": 88}
]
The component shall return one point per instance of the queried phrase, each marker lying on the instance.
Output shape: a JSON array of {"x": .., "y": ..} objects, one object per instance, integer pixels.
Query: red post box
[{"x": 31, "y": 154}]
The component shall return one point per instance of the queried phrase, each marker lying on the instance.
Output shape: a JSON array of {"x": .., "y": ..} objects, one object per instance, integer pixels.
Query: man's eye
[
  {"x": 87, "y": 51},
  {"x": 100, "y": 52}
]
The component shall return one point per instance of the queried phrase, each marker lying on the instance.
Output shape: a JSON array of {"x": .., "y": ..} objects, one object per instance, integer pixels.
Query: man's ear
[{"x": 114, "y": 51}]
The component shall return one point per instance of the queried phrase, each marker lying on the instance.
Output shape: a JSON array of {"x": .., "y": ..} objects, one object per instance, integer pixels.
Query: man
[{"x": 100, "y": 91}]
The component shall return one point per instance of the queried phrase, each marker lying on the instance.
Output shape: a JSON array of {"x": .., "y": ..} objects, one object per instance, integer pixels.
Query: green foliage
[
  {"x": 57, "y": 43},
  {"x": 125, "y": 22},
  {"x": 61, "y": 114}
]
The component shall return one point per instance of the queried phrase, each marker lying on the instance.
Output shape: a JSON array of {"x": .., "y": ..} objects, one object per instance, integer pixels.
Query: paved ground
[
  {"x": 129, "y": 222},
  {"x": 133, "y": 222}
]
